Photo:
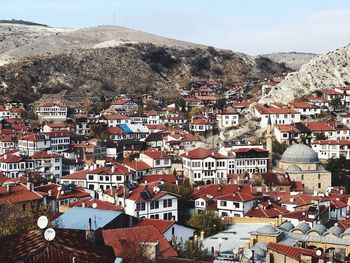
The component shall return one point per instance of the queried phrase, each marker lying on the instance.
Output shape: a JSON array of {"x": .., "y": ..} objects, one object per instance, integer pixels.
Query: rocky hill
[
  {"x": 293, "y": 60},
  {"x": 80, "y": 64},
  {"x": 325, "y": 71}
]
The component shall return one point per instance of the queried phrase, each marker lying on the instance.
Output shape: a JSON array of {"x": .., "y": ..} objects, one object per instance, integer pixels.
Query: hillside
[
  {"x": 293, "y": 60},
  {"x": 80, "y": 64},
  {"x": 325, "y": 71}
]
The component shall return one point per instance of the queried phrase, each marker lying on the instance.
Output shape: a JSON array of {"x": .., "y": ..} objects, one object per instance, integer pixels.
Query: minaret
[{"x": 269, "y": 143}]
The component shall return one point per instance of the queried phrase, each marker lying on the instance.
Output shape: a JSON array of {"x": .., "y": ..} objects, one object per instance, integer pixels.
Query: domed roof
[
  {"x": 335, "y": 230},
  {"x": 286, "y": 226},
  {"x": 319, "y": 228},
  {"x": 303, "y": 227},
  {"x": 267, "y": 230},
  {"x": 300, "y": 153}
]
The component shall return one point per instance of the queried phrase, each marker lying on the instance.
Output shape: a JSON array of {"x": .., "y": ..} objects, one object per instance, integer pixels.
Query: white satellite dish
[
  {"x": 42, "y": 222},
  {"x": 318, "y": 252},
  {"x": 49, "y": 234},
  {"x": 94, "y": 205},
  {"x": 62, "y": 192},
  {"x": 247, "y": 253}
]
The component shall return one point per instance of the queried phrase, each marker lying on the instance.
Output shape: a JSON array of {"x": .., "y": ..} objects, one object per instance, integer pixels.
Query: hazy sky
[{"x": 249, "y": 26}]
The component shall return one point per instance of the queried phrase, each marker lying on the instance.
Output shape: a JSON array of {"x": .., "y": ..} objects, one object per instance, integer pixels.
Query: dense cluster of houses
[{"x": 114, "y": 172}]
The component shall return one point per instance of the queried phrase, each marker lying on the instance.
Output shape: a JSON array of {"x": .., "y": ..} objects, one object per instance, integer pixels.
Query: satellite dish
[
  {"x": 59, "y": 188},
  {"x": 49, "y": 234},
  {"x": 94, "y": 205},
  {"x": 247, "y": 253},
  {"x": 42, "y": 222},
  {"x": 318, "y": 252},
  {"x": 62, "y": 192}
]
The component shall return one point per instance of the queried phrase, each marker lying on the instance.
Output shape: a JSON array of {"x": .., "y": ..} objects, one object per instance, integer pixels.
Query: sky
[{"x": 248, "y": 26}]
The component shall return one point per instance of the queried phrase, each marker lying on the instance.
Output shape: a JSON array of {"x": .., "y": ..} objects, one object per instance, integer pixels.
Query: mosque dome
[{"x": 300, "y": 153}]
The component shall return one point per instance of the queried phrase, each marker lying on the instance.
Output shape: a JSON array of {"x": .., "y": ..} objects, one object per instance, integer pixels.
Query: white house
[
  {"x": 153, "y": 117},
  {"x": 277, "y": 115},
  {"x": 235, "y": 204},
  {"x": 7, "y": 143},
  {"x": 246, "y": 159},
  {"x": 227, "y": 119},
  {"x": 149, "y": 201},
  {"x": 48, "y": 164},
  {"x": 32, "y": 143},
  {"x": 170, "y": 229},
  {"x": 156, "y": 159},
  {"x": 123, "y": 103},
  {"x": 200, "y": 125},
  {"x": 114, "y": 120},
  {"x": 13, "y": 166},
  {"x": 327, "y": 149},
  {"x": 202, "y": 165},
  {"x": 59, "y": 140},
  {"x": 345, "y": 119},
  {"x": 51, "y": 111},
  {"x": 305, "y": 108}
]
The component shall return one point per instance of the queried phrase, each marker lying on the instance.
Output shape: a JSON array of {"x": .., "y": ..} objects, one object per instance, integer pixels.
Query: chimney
[
  {"x": 8, "y": 188},
  {"x": 83, "y": 204},
  {"x": 30, "y": 186},
  {"x": 90, "y": 234}
]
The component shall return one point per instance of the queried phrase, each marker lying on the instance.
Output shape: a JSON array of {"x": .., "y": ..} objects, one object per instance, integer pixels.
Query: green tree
[
  {"x": 335, "y": 102},
  {"x": 320, "y": 136},
  {"x": 192, "y": 249},
  {"x": 207, "y": 221},
  {"x": 337, "y": 166},
  {"x": 16, "y": 219}
]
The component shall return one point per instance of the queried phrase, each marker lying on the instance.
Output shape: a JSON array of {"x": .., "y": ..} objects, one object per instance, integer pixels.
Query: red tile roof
[
  {"x": 80, "y": 175},
  {"x": 168, "y": 178},
  {"x": 56, "y": 191},
  {"x": 45, "y": 155},
  {"x": 138, "y": 165},
  {"x": 156, "y": 154},
  {"x": 18, "y": 193},
  {"x": 201, "y": 153},
  {"x": 122, "y": 239},
  {"x": 116, "y": 117},
  {"x": 332, "y": 142},
  {"x": 286, "y": 128},
  {"x": 161, "y": 225},
  {"x": 137, "y": 194},
  {"x": 325, "y": 125},
  {"x": 274, "y": 110},
  {"x": 200, "y": 121},
  {"x": 116, "y": 131},
  {"x": 303, "y": 105},
  {"x": 266, "y": 210},
  {"x": 11, "y": 159},
  {"x": 103, "y": 205},
  {"x": 291, "y": 252},
  {"x": 330, "y": 92},
  {"x": 237, "y": 197}
]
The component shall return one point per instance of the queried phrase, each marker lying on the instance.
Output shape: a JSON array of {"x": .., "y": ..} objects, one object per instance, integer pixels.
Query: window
[
  {"x": 319, "y": 185},
  {"x": 157, "y": 162},
  {"x": 168, "y": 203},
  {"x": 155, "y": 204},
  {"x": 57, "y": 160},
  {"x": 141, "y": 206},
  {"x": 101, "y": 178},
  {"x": 91, "y": 177},
  {"x": 167, "y": 216},
  {"x": 223, "y": 203},
  {"x": 91, "y": 186},
  {"x": 57, "y": 168},
  {"x": 236, "y": 205}
]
